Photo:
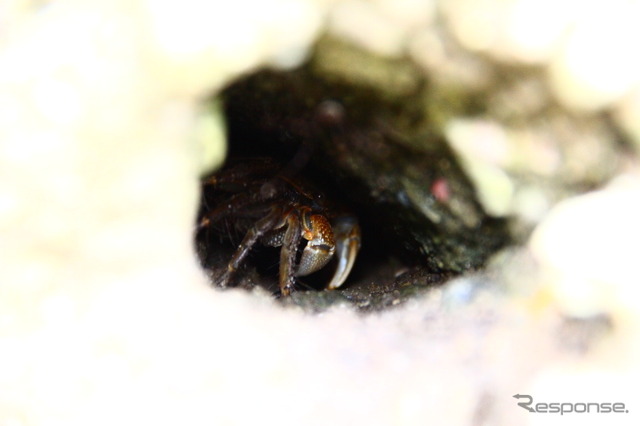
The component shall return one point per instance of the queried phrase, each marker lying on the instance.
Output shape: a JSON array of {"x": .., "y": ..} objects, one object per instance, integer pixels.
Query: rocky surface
[{"x": 106, "y": 317}]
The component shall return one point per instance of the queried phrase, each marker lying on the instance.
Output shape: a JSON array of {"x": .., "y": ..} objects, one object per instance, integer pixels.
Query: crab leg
[
  {"x": 347, "y": 236},
  {"x": 236, "y": 203},
  {"x": 290, "y": 243},
  {"x": 264, "y": 225}
]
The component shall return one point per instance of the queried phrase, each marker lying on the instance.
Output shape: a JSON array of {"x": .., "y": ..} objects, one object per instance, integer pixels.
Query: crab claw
[
  {"x": 321, "y": 246},
  {"x": 347, "y": 236},
  {"x": 324, "y": 240}
]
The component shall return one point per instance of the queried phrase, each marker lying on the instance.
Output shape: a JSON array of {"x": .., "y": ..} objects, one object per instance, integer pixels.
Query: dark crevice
[{"x": 380, "y": 158}]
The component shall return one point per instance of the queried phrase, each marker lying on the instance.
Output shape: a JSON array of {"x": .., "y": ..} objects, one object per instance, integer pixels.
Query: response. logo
[{"x": 569, "y": 407}]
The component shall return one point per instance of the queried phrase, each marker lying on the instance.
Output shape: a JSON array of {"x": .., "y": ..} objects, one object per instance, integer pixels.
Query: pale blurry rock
[
  {"x": 588, "y": 247},
  {"x": 200, "y": 44},
  {"x": 574, "y": 382},
  {"x": 101, "y": 146},
  {"x": 483, "y": 148},
  {"x": 446, "y": 62},
  {"x": 531, "y": 203},
  {"x": 209, "y": 134},
  {"x": 596, "y": 65},
  {"x": 503, "y": 159},
  {"x": 105, "y": 317},
  {"x": 524, "y": 31},
  {"x": 381, "y": 26},
  {"x": 390, "y": 76},
  {"x": 627, "y": 114}
]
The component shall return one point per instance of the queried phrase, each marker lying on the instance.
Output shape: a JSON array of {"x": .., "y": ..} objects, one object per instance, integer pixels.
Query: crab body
[{"x": 273, "y": 208}]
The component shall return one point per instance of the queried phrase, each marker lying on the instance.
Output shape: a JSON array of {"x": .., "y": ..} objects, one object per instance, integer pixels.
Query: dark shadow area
[{"x": 373, "y": 156}]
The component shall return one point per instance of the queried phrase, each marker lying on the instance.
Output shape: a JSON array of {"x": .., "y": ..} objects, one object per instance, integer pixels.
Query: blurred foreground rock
[{"x": 106, "y": 318}]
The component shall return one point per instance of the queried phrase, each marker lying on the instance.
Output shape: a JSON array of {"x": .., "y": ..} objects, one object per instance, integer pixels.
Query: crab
[{"x": 259, "y": 198}]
